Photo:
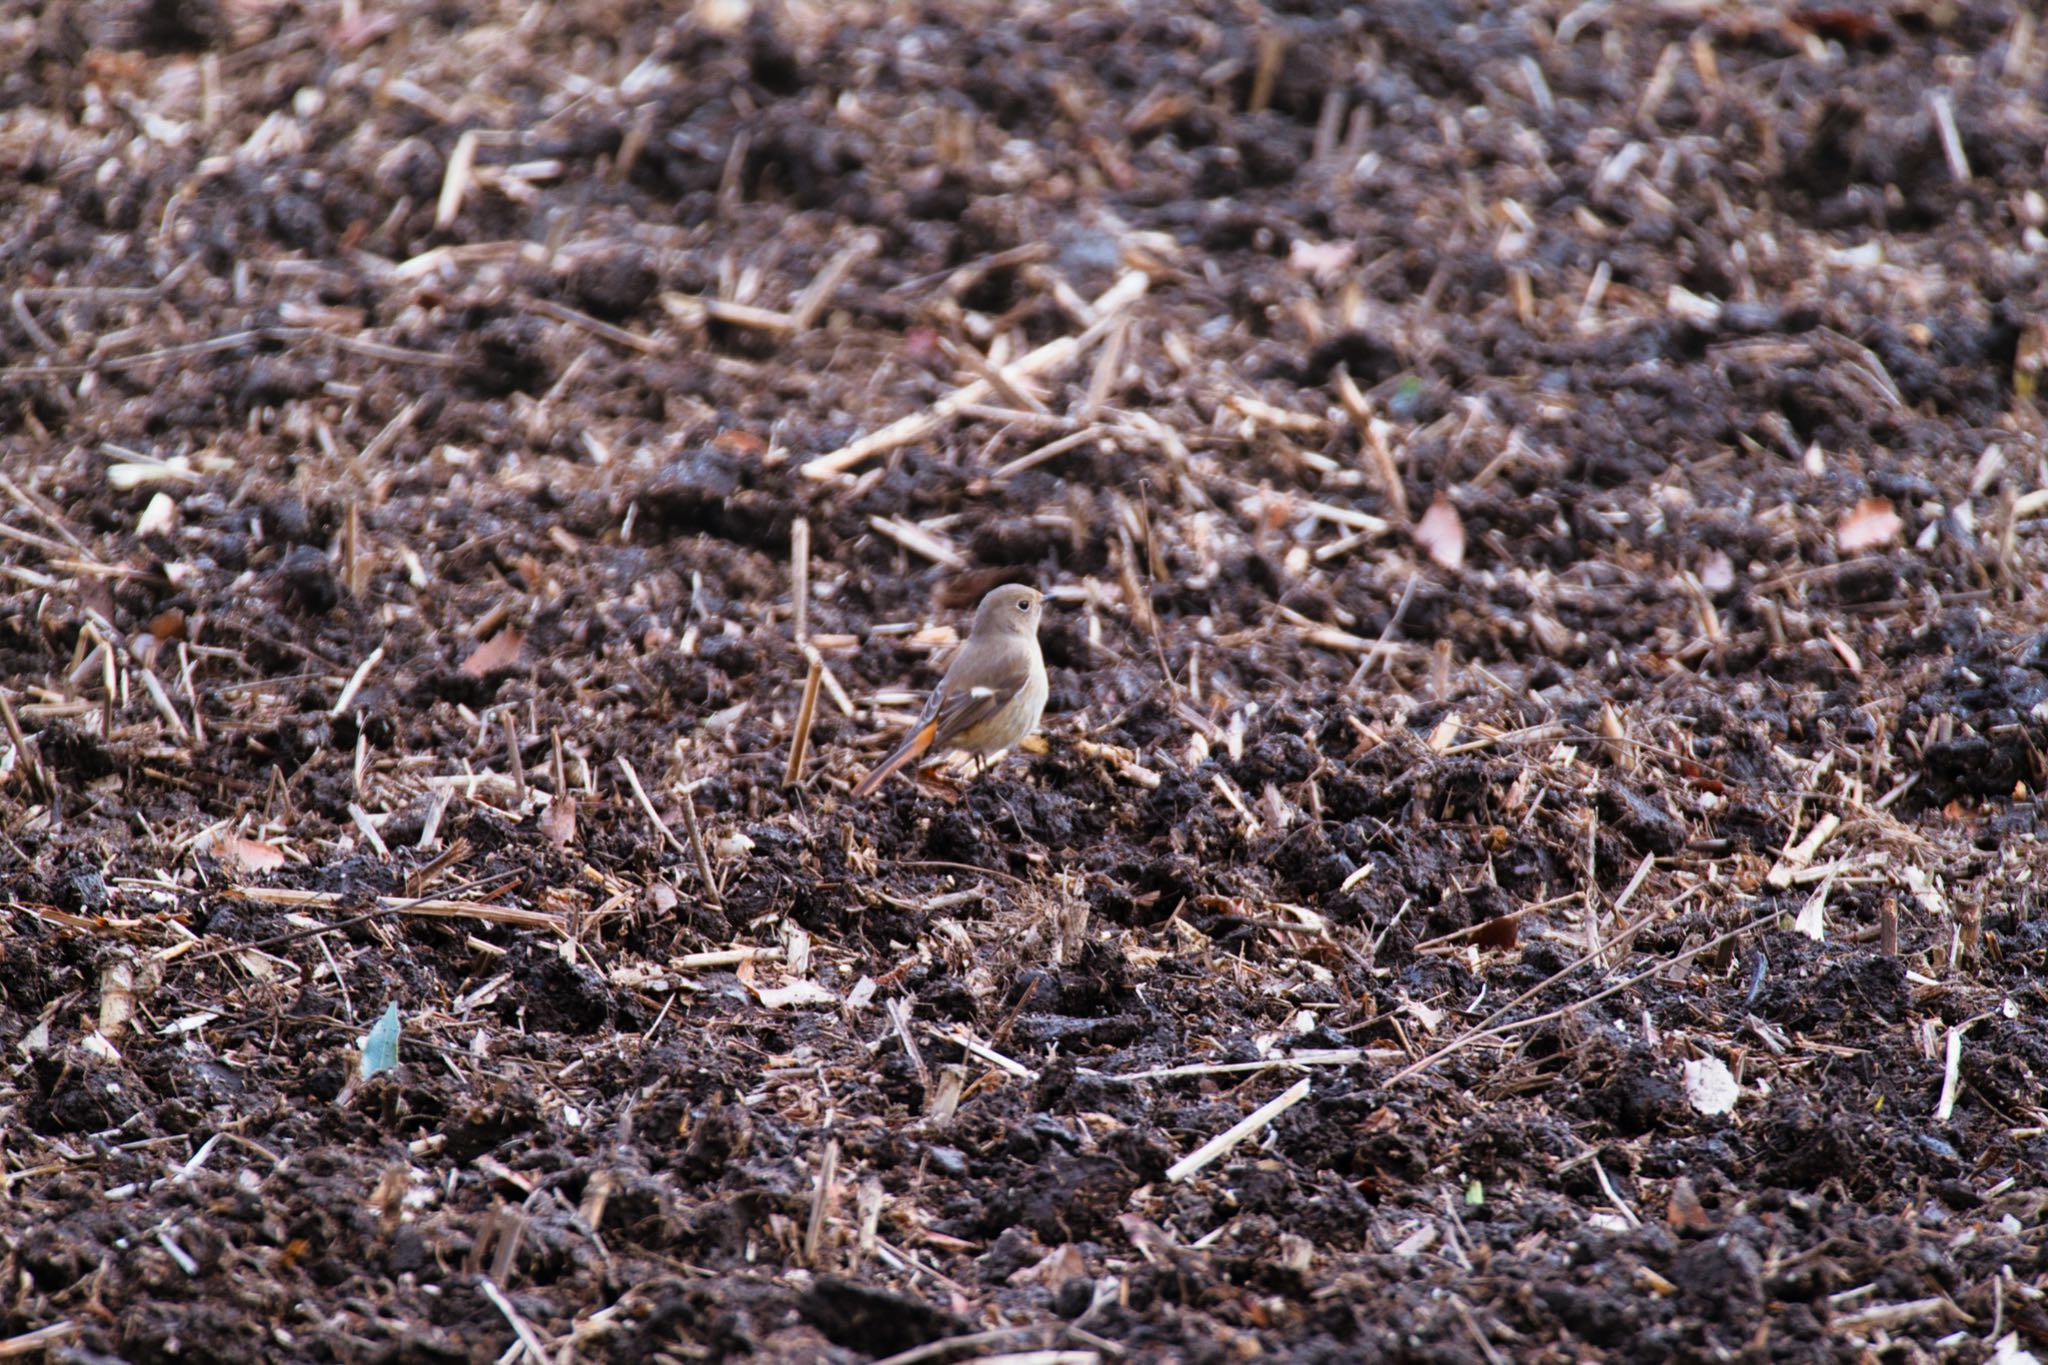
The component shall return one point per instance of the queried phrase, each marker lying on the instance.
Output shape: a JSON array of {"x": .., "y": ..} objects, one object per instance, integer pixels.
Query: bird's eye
[{"x": 1024, "y": 605}]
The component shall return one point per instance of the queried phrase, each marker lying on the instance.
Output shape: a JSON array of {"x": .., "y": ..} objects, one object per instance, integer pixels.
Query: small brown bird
[{"x": 991, "y": 696}]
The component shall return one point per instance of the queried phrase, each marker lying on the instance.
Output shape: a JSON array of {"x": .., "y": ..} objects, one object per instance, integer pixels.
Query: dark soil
[{"x": 1681, "y": 701}]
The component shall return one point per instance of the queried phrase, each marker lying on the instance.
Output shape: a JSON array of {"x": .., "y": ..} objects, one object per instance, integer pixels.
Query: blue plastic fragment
[{"x": 380, "y": 1044}]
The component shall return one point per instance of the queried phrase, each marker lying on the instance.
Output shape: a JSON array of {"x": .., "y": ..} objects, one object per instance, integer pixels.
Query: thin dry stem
[
  {"x": 806, "y": 714},
  {"x": 640, "y": 794},
  {"x": 1251, "y": 1123}
]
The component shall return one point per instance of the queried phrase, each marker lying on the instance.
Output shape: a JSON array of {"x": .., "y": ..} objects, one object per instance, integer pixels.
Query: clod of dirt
[
  {"x": 861, "y": 1317},
  {"x": 1722, "y": 1275},
  {"x": 165, "y": 25},
  {"x": 562, "y": 997},
  {"x": 1637, "y": 1090},
  {"x": 83, "y": 890},
  {"x": 719, "y": 1139},
  {"x": 79, "y": 1091},
  {"x": 1014, "y": 540},
  {"x": 305, "y": 582},
  {"x": 509, "y": 355},
  {"x": 1644, "y": 822},
  {"x": 690, "y": 490},
  {"x": 615, "y": 284},
  {"x": 1865, "y": 986}
]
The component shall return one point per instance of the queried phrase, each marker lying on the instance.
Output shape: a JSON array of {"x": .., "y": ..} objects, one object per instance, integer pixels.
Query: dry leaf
[
  {"x": 1551, "y": 636},
  {"x": 740, "y": 443},
  {"x": 1498, "y": 933},
  {"x": 558, "y": 822},
  {"x": 256, "y": 964},
  {"x": 1717, "y": 573},
  {"x": 1321, "y": 261},
  {"x": 719, "y": 723},
  {"x": 1054, "y": 1269},
  {"x": 1441, "y": 532},
  {"x": 159, "y": 518},
  {"x": 1710, "y": 1086},
  {"x": 1430, "y": 1019},
  {"x": 1866, "y": 526},
  {"x": 1683, "y": 1211},
  {"x": 499, "y": 652},
  {"x": 250, "y": 855}
]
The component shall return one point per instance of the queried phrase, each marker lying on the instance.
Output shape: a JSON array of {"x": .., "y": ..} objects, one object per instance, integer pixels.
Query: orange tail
[{"x": 908, "y": 751}]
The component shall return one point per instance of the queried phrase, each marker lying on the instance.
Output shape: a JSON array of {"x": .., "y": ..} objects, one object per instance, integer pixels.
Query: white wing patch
[{"x": 981, "y": 693}]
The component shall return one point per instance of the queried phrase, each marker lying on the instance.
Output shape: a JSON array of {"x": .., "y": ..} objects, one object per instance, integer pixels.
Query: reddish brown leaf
[
  {"x": 501, "y": 651},
  {"x": 1683, "y": 1211},
  {"x": 1846, "y": 26},
  {"x": 740, "y": 443},
  {"x": 1498, "y": 933},
  {"x": 1696, "y": 776}
]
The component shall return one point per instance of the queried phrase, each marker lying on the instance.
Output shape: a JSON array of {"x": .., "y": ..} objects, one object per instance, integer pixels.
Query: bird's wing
[{"x": 966, "y": 702}]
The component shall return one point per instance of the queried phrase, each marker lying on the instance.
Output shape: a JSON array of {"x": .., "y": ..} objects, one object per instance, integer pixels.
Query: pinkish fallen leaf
[
  {"x": 558, "y": 822},
  {"x": 1441, "y": 532},
  {"x": 1868, "y": 525},
  {"x": 1321, "y": 261}
]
